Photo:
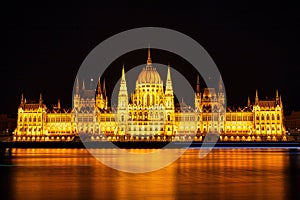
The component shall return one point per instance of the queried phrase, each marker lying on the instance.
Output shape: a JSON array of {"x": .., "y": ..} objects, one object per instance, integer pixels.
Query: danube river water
[{"x": 222, "y": 174}]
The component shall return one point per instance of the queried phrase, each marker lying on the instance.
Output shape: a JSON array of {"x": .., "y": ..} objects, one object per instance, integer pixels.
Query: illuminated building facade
[{"x": 150, "y": 114}]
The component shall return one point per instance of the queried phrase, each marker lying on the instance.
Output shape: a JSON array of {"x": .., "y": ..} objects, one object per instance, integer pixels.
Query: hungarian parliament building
[{"x": 150, "y": 114}]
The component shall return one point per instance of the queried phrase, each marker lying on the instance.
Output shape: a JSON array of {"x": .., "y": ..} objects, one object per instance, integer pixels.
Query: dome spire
[{"x": 149, "y": 61}]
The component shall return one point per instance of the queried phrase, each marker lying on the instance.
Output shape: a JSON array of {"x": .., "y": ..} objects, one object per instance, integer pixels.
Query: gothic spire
[
  {"x": 22, "y": 100},
  {"x": 123, "y": 94},
  {"x": 149, "y": 61},
  {"x": 248, "y": 103},
  {"x": 99, "y": 87},
  {"x": 77, "y": 86},
  {"x": 198, "y": 85},
  {"x": 123, "y": 73},
  {"x": 256, "y": 97},
  {"x": 220, "y": 85},
  {"x": 58, "y": 103},
  {"x": 41, "y": 99},
  {"x": 83, "y": 85},
  {"x": 104, "y": 89},
  {"x": 277, "y": 96},
  {"x": 169, "y": 73},
  {"x": 169, "y": 88}
]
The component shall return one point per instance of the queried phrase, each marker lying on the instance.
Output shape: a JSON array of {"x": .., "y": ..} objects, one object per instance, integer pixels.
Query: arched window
[
  {"x": 262, "y": 117},
  {"x": 273, "y": 117},
  {"x": 168, "y": 117},
  {"x": 161, "y": 114},
  {"x": 257, "y": 117},
  {"x": 278, "y": 117},
  {"x": 122, "y": 118},
  {"x": 148, "y": 99},
  {"x": 268, "y": 117}
]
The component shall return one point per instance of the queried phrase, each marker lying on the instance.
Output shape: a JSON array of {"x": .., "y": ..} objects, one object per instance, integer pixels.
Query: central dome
[{"x": 149, "y": 73}]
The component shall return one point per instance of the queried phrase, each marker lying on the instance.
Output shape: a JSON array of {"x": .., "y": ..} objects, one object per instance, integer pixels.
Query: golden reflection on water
[{"x": 75, "y": 174}]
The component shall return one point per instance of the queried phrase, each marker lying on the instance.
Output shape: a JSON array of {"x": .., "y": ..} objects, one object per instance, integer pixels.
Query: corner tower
[
  {"x": 198, "y": 95},
  {"x": 169, "y": 105},
  {"x": 122, "y": 112}
]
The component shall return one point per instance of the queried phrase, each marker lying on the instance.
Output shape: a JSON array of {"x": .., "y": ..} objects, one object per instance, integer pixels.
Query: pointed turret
[
  {"x": 104, "y": 89},
  {"x": 198, "y": 94},
  {"x": 169, "y": 103},
  {"x": 256, "y": 97},
  {"x": 220, "y": 85},
  {"x": 22, "y": 100},
  {"x": 123, "y": 85},
  {"x": 198, "y": 85},
  {"x": 149, "y": 61},
  {"x": 169, "y": 73},
  {"x": 41, "y": 99},
  {"x": 248, "y": 103},
  {"x": 77, "y": 86},
  {"x": 101, "y": 98},
  {"x": 122, "y": 112},
  {"x": 169, "y": 87},
  {"x": 99, "y": 92},
  {"x": 83, "y": 85},
  {"x": 277, "y": 97},
  {"x": 123, "y": 74},
  {"x": 76, "y": 99},
  {"x": 58, "y": 104},
  {"x": 221, "y": 95},
  {"x": 169, "y": 94}
]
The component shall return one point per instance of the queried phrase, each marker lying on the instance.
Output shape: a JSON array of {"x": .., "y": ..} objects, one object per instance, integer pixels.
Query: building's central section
[{"x": 151, "y": 108}]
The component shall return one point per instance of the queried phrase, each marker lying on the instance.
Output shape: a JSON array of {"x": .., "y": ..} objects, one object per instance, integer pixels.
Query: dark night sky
[{"x": 255, "y": 45}]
